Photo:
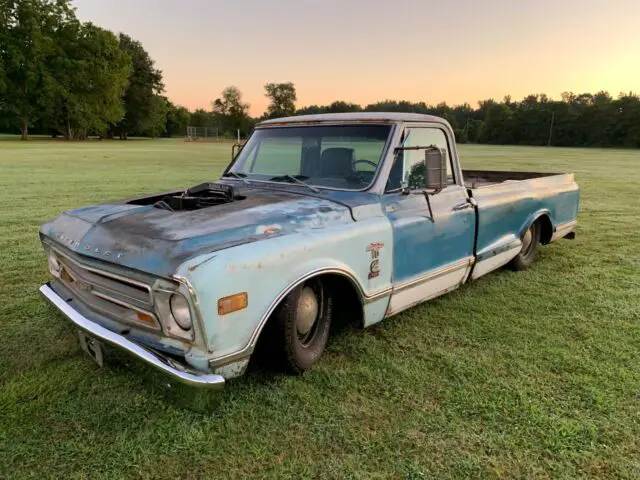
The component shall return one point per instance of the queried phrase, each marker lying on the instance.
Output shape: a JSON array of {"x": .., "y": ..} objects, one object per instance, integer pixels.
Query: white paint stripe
[
  {"x": 492, "y": 263},
  {"x": 563, "y": 229},
  {"x": 427, "y": 289},
  {"x": 432, "y": 274}
]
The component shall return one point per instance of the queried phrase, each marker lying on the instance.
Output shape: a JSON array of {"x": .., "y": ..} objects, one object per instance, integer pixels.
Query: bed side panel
[{"x": 505, "y": 210}]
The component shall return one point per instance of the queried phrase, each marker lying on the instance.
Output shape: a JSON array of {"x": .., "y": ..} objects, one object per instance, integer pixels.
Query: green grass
[{"x": 530, "y": 374}]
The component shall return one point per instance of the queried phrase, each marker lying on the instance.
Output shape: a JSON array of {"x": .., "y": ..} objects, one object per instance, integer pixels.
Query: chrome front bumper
[{"x": 177, "y": 371}]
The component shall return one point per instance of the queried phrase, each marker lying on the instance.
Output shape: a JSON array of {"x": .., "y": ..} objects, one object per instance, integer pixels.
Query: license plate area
[{"x": 92, "y": 347}]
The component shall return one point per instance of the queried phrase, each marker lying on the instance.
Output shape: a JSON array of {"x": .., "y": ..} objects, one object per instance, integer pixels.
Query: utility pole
[{"x": 553, "y": 114}]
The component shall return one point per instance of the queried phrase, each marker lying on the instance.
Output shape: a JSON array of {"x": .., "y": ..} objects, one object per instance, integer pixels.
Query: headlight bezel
[
  {"x": 55, "y": 267},
  {"x": 170, "y": 326}
]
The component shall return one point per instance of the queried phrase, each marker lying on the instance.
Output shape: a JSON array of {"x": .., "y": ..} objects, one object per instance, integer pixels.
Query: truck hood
[{"x": 157, "y": 241}]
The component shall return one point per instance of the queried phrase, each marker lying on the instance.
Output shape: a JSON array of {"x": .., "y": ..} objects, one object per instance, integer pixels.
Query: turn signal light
[
  {"x": 65, "y": 275},
  {"x": 143, "y": 317},
  {"x": 233, "y": 303}
]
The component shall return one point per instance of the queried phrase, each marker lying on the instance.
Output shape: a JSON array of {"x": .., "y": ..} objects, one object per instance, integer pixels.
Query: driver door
[{"x": 432, "y": 254}]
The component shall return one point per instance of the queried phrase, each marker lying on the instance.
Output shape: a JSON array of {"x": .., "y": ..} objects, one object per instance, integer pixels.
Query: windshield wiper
[
  {"x": 239, "y": 176},
  {"x": 296, "y": 179}
]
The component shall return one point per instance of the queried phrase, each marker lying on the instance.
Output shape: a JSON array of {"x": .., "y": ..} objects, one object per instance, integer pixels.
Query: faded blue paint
[
  {"x": 158, "y": 241},
  {"x": 280, "y": 234},
  {"x": 420, "y": 243},
  {"x": 510, "y": 207},
  {"x": 267, "y": 272}
]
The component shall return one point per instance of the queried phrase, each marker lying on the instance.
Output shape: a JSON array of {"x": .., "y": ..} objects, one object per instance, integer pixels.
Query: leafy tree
[
  {"x": 201, "y": 118},
  {"x": 145, "y": 84},
  {"x": 177, "y": 120},
  {"x": 338, "y": 106},
  {"x": 231, "y": 113},
  {"x": 343, "y": 107},
  {"x": 282, "y": 98},
  {"x": 2, "y": 77},
  {"x": 92, "y": 74},
  {"x": 401, "y": 106},
  {"x": 27, "y": 32},
  {"x": 311, "y": 110},
  {"x": 155, "y": 124}
]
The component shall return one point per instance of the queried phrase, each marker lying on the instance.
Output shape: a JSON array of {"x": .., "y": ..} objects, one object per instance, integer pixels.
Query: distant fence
[
  {"x": 205, "y": 134},
  {"x": 209, "y": 134}
]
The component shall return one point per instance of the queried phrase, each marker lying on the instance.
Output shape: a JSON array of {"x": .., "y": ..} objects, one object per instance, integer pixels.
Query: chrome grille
[{"x": 112, "y": 295}]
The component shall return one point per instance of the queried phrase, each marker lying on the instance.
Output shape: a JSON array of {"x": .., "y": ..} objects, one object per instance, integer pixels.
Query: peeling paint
[{"x": 266, "y": 240}]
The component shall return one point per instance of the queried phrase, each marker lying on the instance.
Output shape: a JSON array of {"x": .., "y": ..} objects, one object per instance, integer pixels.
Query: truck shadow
[{"x": 263, "y": 372}]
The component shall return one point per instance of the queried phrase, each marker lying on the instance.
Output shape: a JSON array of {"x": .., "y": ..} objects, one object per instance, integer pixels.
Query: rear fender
[{"x": 534, "y": 217}]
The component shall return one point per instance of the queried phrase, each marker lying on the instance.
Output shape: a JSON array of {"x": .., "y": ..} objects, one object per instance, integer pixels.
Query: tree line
[
  {"x": 63, "y": 77},
  {"x": 584, "y": 120},
  {"x": 576, "y": 120}
]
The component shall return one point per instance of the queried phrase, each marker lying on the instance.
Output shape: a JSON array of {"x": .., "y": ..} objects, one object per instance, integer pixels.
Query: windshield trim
[{"x": 383, "y": 153}]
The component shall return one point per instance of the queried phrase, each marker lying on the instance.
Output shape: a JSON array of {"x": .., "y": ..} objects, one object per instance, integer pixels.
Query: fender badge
[{"x": 374, "y": 266}]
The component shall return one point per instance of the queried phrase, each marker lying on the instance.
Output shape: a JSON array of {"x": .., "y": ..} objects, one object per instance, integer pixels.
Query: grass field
[{"x": 519, "y": 375}]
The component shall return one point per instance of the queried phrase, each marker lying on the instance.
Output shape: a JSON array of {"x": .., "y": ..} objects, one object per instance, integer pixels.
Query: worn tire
[
  {"x": 529, "y": 252},
  {"x": 300, "y": 344}
]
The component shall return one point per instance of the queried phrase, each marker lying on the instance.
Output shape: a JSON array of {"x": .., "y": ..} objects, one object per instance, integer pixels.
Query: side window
[{"x": 407, "y": 163}]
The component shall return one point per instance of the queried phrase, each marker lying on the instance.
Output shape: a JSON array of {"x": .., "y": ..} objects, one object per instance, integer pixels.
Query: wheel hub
[
  {"x": 527, "y": 240},
  {"x": 307, "y": 310}
]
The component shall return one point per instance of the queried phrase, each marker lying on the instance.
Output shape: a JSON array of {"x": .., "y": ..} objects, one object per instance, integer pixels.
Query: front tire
[
  {"x": 302, "y": 324},
  {"x": 529, "y": 252}
]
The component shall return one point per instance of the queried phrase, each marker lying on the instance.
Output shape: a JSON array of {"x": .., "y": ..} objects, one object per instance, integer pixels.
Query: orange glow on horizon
[{"x": 492, "y": 49}]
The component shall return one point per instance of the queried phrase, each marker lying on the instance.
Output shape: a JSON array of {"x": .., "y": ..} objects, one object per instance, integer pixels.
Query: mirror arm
[
  {"x": 426, "y": 196},
  {"x": 234, "y": 154}
]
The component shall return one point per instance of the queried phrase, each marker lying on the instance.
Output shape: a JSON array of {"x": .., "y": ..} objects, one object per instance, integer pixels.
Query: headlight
[
  {"x": 54, "y": 265},
  {"x": 180, "y": 311}
]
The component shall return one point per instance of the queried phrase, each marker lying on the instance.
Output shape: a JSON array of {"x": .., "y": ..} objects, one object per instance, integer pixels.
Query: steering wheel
[
  {"x": 368, "y": 162},
  {"x": 362, "y": 176}
]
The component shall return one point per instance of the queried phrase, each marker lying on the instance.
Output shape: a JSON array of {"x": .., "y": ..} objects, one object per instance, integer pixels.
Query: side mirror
[
  {"x": 435, "y": 168},
  {"x": 235, "y": 150}
]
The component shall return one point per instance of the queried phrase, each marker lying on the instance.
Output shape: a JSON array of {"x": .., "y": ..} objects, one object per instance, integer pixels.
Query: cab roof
[{"x": 383, "y": 117}]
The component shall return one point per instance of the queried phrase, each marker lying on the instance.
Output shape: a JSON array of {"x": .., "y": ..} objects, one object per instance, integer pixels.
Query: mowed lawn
[{"x": 533, "y": 374}]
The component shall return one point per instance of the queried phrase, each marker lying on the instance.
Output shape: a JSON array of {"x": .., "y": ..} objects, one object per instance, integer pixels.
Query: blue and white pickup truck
[{"x": 317, "y": 217}]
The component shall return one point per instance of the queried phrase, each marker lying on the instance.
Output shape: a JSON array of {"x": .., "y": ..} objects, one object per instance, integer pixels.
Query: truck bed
[{"x": 483, "y": 178}]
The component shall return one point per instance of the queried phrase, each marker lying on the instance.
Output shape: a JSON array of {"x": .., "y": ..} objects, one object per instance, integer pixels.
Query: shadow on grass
[{"x": 263, "y": 372}]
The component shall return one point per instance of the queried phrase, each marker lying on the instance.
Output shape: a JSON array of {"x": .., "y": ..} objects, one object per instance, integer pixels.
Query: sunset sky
[{"x": 367, "y": 50}]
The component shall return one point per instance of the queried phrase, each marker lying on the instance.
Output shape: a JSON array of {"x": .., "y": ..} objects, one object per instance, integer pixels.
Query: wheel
[
  {"x": 530, "y": 242},
  {"x": 302, "y": 326}
]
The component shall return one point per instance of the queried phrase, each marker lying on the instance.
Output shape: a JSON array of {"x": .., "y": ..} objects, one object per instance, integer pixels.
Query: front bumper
[{"x": 167, "y": 365}]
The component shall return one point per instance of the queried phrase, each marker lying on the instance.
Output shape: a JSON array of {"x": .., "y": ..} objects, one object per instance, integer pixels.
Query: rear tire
[
  {"x": 302, "y": 323},
  {"x": 529, "y": 252}
]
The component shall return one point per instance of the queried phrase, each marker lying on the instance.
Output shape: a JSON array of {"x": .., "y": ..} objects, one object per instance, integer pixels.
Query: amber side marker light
[
  {"x": 143, "y": 317},
  {"x": 65, "y": 276},
  {"x": 233, "y": 303}
]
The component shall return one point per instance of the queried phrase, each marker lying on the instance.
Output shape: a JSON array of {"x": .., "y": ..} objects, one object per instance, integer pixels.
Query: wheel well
[
  {"x": 546, "y": 228},
  {"x": 346, "y": 307}
]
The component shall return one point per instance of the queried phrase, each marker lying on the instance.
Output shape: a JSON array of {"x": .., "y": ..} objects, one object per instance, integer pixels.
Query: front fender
[{"x": 269, "y": 269}]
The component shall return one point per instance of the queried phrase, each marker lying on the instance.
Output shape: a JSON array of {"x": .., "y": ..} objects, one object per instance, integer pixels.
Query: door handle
[{"x": 463, "y": 206}]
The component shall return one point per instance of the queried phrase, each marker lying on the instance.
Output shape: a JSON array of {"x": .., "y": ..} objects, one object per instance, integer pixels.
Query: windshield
[{"x": 334, "y": 156}]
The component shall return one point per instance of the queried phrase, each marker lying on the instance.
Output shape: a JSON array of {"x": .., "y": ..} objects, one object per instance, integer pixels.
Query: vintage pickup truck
[{"x": 317, "y": 217}]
